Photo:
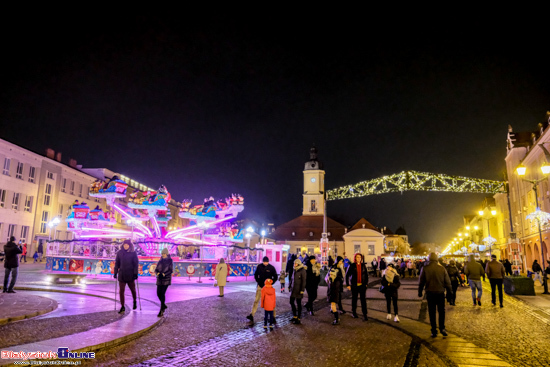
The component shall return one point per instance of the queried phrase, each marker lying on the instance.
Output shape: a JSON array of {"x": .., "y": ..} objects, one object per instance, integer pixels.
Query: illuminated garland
[
  {"x": 139, "y": 243},
  {"x": 417, "y": 181}
]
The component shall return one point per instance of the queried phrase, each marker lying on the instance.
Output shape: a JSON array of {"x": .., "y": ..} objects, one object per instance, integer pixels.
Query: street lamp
[
  {"x": 52, "y": 224},
  {"x": 132, "y": 223},
  {"x": 263, "y": 235},
  {"x": 539, "y": 215},
  {"x": 248, "y": 235}
]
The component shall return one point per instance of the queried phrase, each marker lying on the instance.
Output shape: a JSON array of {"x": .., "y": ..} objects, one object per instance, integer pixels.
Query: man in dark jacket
[
  {"x": 313, "y": 277},
  {"x": 126, "y": 271},
  {"x": 435, "y": 279},
  {"x": 507, "y": 267},
  {"x": 263, "y": 271},
  {"x": 495, "y": 271},
  {"x": 474, "y": 271},
  {"x": 297, "y": 286},
  {"x": 11, "y": 264},
  {"x": 358, "y": 274}
]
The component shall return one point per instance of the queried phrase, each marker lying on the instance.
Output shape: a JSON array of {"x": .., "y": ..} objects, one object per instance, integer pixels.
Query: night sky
[{"x": 224, "y": 105}]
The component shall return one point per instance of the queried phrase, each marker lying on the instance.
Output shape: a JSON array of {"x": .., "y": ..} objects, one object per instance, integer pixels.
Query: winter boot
[
  {"x": 336, "y": 319},
  {"x": 135, "y": 304},
  {"x": 122, "y": 309}
]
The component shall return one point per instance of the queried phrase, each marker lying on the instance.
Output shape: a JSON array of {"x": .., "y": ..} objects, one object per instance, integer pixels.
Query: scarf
[
  {"x": 389, "y": 274},
  {"x": 359, "y": 280},
  {"x": 298, "y": 267},
  {"x": 316, "y": 269}
]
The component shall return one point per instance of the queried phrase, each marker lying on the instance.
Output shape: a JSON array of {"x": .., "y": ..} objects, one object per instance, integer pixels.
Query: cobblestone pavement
[
  {"x": 38, "y": 329},
  {"x": 19, "y": 306}
]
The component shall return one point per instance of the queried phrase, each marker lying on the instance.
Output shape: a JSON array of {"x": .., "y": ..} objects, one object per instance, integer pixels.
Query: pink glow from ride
[
  {"x": 172, "y": 233},
  {"x": 139, "y": 225}
]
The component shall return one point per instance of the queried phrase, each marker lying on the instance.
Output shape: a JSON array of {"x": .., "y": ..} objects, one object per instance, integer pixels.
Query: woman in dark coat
[
  {"x": 313, "y": 271},
  {"x": 126, "y": 271},
  {"x": 290, "y": 268},
  {"x": 335, "y": 284},
  {"x": 163, "y": 271}
]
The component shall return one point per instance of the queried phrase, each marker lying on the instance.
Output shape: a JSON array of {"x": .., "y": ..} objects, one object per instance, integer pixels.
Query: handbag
[
  {"x": 215, "y": 283},
  {"x": 382, "y": 289}
]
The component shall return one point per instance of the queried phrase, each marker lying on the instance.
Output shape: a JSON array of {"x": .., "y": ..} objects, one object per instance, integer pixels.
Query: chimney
[
  {"x": 72, "y": 163},
  {"x": 58, "y": 157},
  {"x": 50, "y": 153}
]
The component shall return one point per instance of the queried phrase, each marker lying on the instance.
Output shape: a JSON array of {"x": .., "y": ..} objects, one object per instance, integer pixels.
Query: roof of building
[
  {"x": 306, "y": 224},
  {"x": 527, "y": 138},
  {"x": 387, "y": 231},
  {"x": 363, "y": 223}
]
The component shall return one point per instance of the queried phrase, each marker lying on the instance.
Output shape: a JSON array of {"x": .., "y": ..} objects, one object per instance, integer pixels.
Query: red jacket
[{"x": 268, "y": 298}]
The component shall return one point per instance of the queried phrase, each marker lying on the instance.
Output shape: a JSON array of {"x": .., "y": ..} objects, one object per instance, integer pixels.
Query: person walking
[
  {"x": 40, "y": 251},
  {"x": 313, "y": 277},
  {"x": 24, "y": 253},
  {"x": 335, "y": 281},
  {"x": 297, "y": 286},
  {"x": 346, "y": 261},
  {"x": 221, "y": 275},
  {"x": 374, "y": 264},
  {"x": 435, "y": 280},
  {"x": 268, "y": 303},
  {"x": 163, "y": 271},
  {"x": 403, "y": 267},
  {"x": 454, "y": 275},
  {"x": 390, "y": 284},
  {"x": 358, "y": 274},
  {"x": 263, "y": 271},
  {"x": 382, "y": 265},
  {"x": 474, "y": 271},
  {"x": 410, "y": 268},
  {"x": 537, "y": 270},
  {"x": 508, "y": 267},
  {"x": 11, "y": 264},
  {"x": 282, "y": 280},
  {"x": 126, "y": 271},
  {"x": 290, "y": 266},
  {"x": 495, "y": 272},
  {"x": 330, "y": 261}
]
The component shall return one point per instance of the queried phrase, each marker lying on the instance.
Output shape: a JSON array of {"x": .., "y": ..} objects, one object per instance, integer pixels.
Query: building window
[
  {"x": 28, "y": 203},
  {"x": 293, "y": 234},
  {"x": 2, "y": 198},
  {"x": 371, "y": 249},
  {"x": 64, "y": 185},
  {"x": 72, "y": 188},
  {"x": 310, "y": 234},
  {"x": 61, "y": 210},
  {"x": 11, "y": 230},
  {"x": 6, "y": 170},
  {"x": 80, "y": 194},
  {"x": 15, "y": 201},
  {"x": 313, "y": 206},
  {"x": 50, "y": 175},
  {"x": 32, "y": 173},
  {"x": 48, "y": 195},
  {"x": 19, "y": 171},
  {"x": 44, "y": 222},
  {"x": 356, "y": 249},
  {"x": 24, "y": 233}
]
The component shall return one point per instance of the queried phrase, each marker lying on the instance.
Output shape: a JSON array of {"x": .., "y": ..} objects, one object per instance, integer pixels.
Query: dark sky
[{"x": 221, "y": 105}]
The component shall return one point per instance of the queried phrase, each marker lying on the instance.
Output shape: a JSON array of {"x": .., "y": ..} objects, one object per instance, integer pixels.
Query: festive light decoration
[
  {"x": 539, "y": 216},
  {"x": 489, "y": 241},
  {"x": 416, "y": 181}
]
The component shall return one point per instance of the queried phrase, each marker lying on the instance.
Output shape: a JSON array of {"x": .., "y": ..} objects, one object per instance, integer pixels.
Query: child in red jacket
[{"x": 268, "y": 302}]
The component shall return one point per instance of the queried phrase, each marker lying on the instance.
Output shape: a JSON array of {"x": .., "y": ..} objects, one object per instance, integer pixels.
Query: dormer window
[
  {"x": 330, "y": 234},
  {"x": 310, "y": 234},
  {"x": 293, "y": 234}
]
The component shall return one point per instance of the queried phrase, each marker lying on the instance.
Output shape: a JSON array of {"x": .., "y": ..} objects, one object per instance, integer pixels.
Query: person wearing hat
[
  {"x": 263, "y": 271},
  {"x": 335, "y": 281},
  {"x": 11, "y": 264},
  {"x": 126, "y": 271},
  {"x": 268, "y": 303},
  {"x": 313, "y": 278},
  {"x": 221, "y": 275},
  {"x": 358, "y": 274},
  {"x": 435, "y": 280},
  {"x": 454, "y": 275},
  {"x": 495, "y": 272},
  {"x": 163, "y": 271},
  {"x": 297, "y": 286}
]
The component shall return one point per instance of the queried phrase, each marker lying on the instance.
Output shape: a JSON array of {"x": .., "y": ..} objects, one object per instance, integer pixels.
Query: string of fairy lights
[{"x": 416, "y": 181}]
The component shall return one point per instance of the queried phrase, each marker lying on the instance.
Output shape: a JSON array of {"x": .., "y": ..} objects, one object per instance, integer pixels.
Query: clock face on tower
[{"x": 313, "y": 179}]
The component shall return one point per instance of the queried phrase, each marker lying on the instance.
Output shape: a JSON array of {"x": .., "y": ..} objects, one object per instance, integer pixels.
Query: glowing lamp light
[
  {"x": 481, "y": 212},
  {"x": 467, "y": 228},
  {"x": 248, "y": 235},
  {"x": 250, "y": 229},
  {"x": 545, "y": 168},
  {"x": 521, "y": 170},
  {"x": 263, "y": 232},
  {"x": 493, "y": 212},
  {"x": 476, "y": 228},
  {"x": 460, "y": 235}
]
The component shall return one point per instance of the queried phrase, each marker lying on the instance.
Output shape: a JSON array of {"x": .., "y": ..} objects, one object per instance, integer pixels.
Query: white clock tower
[{"x": 314, "y": 186}]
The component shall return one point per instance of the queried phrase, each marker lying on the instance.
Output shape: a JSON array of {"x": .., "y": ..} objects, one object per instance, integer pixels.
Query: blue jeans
[
  {"x": 7, "y": 272},
  {"x": 473, "y": 285}
]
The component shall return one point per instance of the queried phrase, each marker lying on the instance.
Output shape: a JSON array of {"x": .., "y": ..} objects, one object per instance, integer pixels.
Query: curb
[{"x": 7, "y": 320}]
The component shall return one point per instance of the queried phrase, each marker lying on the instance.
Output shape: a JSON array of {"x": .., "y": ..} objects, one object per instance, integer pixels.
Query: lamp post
[
  {"x": 52, "y": 224},
  {"x": 263, "y": 235},
  {"x": 538, "y": 214},
  {"x": 203, "y": 226},
  {"x": 488, "y": 240},
  {"x": 248, "y": 235}
]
